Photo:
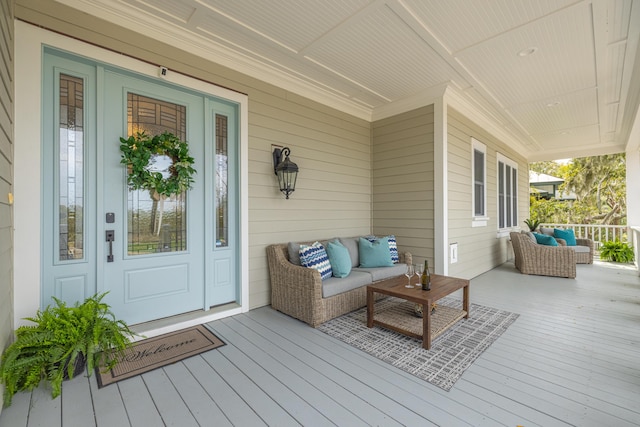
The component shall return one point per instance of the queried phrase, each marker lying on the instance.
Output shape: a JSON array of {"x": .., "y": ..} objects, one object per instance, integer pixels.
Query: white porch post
[
  {"x": 633, "y": 187},
  {"x": 440, "y": 183}
]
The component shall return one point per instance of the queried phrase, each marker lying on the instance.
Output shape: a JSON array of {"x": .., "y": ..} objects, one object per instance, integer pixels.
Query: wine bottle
[{"x": 425, "y": 279}]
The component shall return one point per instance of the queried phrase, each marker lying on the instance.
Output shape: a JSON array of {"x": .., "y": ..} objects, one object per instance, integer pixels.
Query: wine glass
[
  {"x": 409, "y": 273},
  {"x": 419, "y": 268}
]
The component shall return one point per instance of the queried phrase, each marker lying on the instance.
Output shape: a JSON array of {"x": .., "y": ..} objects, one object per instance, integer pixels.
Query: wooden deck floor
[{"x": 572, "y": 358}]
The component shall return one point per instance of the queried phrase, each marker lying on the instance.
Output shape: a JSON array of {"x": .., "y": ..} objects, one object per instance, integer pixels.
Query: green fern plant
[
  {"x": 616, "y": 251},
  {"x": 62, "y": 338}
]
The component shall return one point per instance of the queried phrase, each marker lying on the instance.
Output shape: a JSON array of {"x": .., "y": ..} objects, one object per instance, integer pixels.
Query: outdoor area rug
[
  {"x": 147, "y": 355},
  {"x": 451, "y": 353}
]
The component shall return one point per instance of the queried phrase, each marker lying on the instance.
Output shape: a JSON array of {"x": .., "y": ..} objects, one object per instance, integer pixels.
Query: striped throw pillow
[{"x": 315, "y": 256}]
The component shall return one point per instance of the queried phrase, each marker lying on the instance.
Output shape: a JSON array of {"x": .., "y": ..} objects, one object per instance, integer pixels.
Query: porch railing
[{"x": 597, "y": 232}]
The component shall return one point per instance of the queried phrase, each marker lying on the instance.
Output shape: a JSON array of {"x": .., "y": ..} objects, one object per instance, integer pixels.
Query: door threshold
[{"x": 180, "y": 321}]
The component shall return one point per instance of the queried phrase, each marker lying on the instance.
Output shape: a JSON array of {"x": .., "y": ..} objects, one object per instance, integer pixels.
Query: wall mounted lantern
[{"x": 286, "y": 170}]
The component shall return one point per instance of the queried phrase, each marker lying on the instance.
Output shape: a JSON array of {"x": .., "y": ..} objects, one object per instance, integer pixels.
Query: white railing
[
  {"x": 635, "y": 242},
  {"x": 597, "y": 232}
]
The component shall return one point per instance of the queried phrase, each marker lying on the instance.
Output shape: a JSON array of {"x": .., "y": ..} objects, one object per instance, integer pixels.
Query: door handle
[{"x": 110, "y": 236}]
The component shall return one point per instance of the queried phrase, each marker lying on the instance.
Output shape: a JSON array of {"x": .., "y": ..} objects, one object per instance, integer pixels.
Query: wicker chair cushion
[{"x": 581, "y": 249}]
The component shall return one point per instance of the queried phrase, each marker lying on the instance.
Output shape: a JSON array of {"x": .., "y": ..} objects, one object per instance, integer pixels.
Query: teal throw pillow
[
  {"x": 567, "y": 235},
  {"x": 374, "y": 254},
  {"x": 543, "y": 239},
  {"x": 339, "y": 258}
]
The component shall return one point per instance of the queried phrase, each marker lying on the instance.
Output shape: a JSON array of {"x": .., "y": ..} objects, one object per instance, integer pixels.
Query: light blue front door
[{"x": 168, "y": 255}]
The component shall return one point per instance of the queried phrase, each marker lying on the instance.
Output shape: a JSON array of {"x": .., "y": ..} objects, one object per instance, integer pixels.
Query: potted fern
[
  {"x": 63, "y": 340},
  {"x": 616, "y": 251},
  {"x": 532, "y": 224}
]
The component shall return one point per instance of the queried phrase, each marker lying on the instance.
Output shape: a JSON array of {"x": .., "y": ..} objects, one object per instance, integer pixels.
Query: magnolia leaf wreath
[{"x": 160, "y": 164}]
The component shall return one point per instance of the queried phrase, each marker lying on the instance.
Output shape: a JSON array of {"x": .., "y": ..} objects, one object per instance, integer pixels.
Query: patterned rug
[{"x": 452, "y": 352}]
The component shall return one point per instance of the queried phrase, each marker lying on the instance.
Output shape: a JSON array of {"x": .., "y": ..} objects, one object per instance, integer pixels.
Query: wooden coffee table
[{"x": 441, "y": 286}]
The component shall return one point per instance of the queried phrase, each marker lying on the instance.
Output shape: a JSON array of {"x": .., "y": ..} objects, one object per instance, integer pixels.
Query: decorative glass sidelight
[
  {"x": 156, "y": 223},
  {"x": 222, "y": 182},
  {"x": 71, "y": 169}
]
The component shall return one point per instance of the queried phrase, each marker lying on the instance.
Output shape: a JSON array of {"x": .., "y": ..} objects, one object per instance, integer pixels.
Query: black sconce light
[{"x": 286, "y": 170}]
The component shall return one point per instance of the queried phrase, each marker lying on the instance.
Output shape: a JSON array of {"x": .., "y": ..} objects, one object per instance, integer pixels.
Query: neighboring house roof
[{"x": 540, "y": 183}]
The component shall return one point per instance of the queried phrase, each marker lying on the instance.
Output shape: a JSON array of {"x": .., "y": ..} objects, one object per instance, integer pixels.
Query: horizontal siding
[
  {"x": 6, "y": 173},
  {"x": 403, "y": 181},
  {"x": 332, "y": 149},
  {"x": 479, "y": 248}
]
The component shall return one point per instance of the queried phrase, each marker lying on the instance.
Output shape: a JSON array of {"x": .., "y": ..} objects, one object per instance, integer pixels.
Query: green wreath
[{"x": 140, "y": 152}]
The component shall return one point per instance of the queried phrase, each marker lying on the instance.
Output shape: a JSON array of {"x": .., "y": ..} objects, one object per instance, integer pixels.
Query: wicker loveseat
[
  {"x": 584, "y": 247},
  {"x": 298, "y": 291},
  {"x": 532, "y": 258}
]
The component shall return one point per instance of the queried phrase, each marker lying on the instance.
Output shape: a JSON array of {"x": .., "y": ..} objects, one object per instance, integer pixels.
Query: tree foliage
[{"x": 599, "y": 184}]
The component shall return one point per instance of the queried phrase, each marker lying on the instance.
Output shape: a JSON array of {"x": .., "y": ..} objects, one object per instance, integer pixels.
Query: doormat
[
  {"x": 451, "y": 353},
  {"x": 147, "y": 355}
]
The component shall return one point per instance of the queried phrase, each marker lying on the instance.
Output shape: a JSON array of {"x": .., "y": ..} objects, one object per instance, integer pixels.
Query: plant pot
[{"x": 78, "y": 367}]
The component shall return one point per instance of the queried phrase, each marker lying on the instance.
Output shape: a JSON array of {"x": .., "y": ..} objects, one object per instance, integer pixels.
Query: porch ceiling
[{"x": 575, "y": 94}]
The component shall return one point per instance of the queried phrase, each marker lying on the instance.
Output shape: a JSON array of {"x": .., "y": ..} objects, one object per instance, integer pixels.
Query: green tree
[{"x": 599, "y": 184}]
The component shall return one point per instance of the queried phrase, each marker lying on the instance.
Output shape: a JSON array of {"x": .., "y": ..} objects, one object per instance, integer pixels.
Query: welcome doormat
[
  {"x": 147, "y": 355},
  {"x": 450, "y": 354}
]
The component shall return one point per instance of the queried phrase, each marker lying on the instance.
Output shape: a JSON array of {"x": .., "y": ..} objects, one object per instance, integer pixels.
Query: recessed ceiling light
[
  {"x": 528, "y": 51},
  {"x": 553, "y": 104}
]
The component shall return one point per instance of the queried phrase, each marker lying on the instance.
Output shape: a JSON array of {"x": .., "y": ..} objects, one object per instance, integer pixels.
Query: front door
[{"x": 156, "y": 256}]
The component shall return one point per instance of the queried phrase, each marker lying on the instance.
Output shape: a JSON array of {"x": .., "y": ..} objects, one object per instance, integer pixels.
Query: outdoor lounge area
[
  {"x": 570, "y": 359},
  {"x": 163, "y": 159}
]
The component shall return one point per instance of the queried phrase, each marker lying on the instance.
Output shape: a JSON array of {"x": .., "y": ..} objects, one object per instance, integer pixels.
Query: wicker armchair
[{"x": 531, "y": 258}]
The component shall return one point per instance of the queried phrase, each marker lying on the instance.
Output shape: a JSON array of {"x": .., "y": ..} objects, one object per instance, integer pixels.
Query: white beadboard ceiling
[{"x": 577, "y": 94}]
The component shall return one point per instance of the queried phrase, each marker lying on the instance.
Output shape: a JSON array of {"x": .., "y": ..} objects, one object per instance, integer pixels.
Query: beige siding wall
[
  {"x": 6, "y": 173},
  {"x": 479, "y": 248},
  {"x": 403, "y": 185},
  {"x": 332, "y": 149}
]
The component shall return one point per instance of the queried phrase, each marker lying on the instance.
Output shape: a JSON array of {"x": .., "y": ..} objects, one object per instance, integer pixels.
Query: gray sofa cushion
[
  {"x": 380, "y": 273},
  {"x": 337, "y": 285},
  {"x": 351, "y": 243},
  {"x": 294, "y": 253}
]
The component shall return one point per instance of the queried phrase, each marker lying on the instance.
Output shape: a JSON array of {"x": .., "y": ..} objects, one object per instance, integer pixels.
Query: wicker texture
[
  {"x": 531, "y": 258},
  {"x": 297, "y": 291},
  {"x": 585, "y": 257}
]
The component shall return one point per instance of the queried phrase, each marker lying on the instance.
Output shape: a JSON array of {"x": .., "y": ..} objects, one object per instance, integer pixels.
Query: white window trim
[
  {"x": 500, "y": 158},
  {"x": 482, "y": 220}
]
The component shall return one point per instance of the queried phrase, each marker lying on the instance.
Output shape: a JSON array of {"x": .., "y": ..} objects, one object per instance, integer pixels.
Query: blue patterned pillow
[
  {"x": 315, "y": 257},
  {"x": 393, "y": 246}
]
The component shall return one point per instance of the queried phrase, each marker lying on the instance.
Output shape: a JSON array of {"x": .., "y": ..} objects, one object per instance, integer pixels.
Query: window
[
  {"x": 507, "y": 193},
  {"x": 479, "y": 177}
]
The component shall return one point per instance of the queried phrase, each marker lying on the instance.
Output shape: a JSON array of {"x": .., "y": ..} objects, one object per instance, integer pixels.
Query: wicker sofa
[
  {"x": 300, "y": 292},
  {"x": 532, "y": 258}
]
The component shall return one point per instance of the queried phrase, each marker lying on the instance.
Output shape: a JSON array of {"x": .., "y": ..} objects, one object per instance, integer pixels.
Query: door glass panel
[
  {"x": 155, "y": 223},
  {"x": 71, "y": 168},
  {"x": 222, "y": 182}
]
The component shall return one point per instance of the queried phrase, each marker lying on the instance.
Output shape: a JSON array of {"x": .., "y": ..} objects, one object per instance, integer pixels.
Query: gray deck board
[
  {"x": 107, "y": 404},
  {"x": 140, "y": 407},
  {"x": 571, "y": 359},
  {"x": 233, "y": 406},
  {"x": 172, "y": 409},
  {"x": 77, "y": 395},
  {"x": 201, "y": 405},
  {"x": 262, "y": 353}
]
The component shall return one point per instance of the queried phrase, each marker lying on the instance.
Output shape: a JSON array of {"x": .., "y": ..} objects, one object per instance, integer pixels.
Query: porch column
[
  {"x": 440, "y": 187},
  {"x": 633, "y": 187}
]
